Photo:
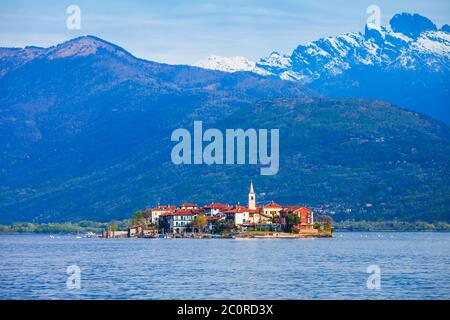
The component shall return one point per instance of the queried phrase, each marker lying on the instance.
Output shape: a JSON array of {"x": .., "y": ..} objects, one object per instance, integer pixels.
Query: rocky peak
[{"x": 411, "y": 25}]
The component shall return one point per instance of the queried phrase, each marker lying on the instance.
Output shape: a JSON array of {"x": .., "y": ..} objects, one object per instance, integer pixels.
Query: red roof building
[
  {"x": 189, "y": 205},
  {"x": 306, "y": 216},
  {"x": 216, "y": 205}
]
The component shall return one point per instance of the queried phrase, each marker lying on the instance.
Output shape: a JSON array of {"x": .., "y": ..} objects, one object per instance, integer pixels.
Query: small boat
[{"x": 52, "y": 236}]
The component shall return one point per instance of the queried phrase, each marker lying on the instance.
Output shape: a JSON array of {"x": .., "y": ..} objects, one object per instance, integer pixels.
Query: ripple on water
[{"x": 413, "y": 266}]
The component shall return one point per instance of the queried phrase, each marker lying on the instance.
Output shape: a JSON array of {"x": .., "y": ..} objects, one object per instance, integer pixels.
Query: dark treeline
[{"x": 65, "y": 227}]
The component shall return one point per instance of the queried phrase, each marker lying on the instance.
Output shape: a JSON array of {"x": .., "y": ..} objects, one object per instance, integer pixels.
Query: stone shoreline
[{"x": 245, "y": 235}]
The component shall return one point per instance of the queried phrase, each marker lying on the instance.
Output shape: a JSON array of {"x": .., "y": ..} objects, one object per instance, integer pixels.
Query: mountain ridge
[
  {"x": 87, "y": 136},
  {"x": 412, "y": 57}
]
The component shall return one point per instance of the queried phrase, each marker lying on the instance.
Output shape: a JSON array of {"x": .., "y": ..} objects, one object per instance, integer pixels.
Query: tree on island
[
  {"x": 324, "y": 223},
  {"x": 199, "y": 222},
  {"x": 275, "y": 219},
  {"x": 219, "y": 226},
  {"x": 140, "y": 217},
  {"x": 291, "y": 221}
]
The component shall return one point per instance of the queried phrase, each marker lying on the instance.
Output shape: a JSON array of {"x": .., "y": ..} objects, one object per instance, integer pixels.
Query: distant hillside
[{"x": 85, "y": 134}]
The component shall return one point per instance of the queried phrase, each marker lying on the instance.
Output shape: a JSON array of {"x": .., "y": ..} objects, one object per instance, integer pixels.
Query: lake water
[{"x": 412, "y": 265}]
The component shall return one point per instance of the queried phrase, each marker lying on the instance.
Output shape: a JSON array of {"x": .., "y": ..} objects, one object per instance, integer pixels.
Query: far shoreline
[{"x": 83, "y": 227}]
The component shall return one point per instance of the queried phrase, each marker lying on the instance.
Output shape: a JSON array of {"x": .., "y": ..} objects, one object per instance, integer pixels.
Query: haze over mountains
[
  {"x": 85, "y": 134},
  {"x": 406, "y": 62}
]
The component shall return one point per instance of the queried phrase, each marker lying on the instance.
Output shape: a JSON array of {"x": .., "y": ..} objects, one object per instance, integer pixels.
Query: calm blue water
[{"x": 413, "y": 266}]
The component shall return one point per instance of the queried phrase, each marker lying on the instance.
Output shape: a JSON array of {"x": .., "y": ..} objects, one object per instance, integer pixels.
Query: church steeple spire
[{"x": 251, "y": 197}]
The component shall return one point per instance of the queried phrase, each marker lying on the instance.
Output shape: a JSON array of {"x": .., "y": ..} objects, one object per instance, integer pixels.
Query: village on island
[{"x": 217, "y": 220}]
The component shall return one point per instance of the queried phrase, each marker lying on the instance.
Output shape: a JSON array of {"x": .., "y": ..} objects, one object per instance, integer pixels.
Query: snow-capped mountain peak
[
  {"x": 410, "y": 41},
  {"x": 406, "y": 62},
  {"x": 230, "y": 64}
]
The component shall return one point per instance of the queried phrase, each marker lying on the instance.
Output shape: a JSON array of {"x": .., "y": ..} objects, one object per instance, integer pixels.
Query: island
[{"x": 217, "y": 220}]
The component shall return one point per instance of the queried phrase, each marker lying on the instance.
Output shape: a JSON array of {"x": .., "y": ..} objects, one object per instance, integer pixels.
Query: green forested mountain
[{"x": 85, "y": 134}]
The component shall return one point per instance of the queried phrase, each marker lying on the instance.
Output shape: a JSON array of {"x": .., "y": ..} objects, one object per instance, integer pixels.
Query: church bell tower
[{"x": 251, "y": 198}]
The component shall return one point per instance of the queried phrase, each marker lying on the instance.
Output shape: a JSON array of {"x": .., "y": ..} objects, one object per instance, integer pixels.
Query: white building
[
  {"x": 238, "y": 215},
  {"x": 215, "y": 209},
  {"x": 156, "y": 212},
  {"x": 177, "y": 222}
]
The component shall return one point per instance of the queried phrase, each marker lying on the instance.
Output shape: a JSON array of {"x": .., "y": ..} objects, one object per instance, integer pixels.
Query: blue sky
[{"x": 187, "y": 31}]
